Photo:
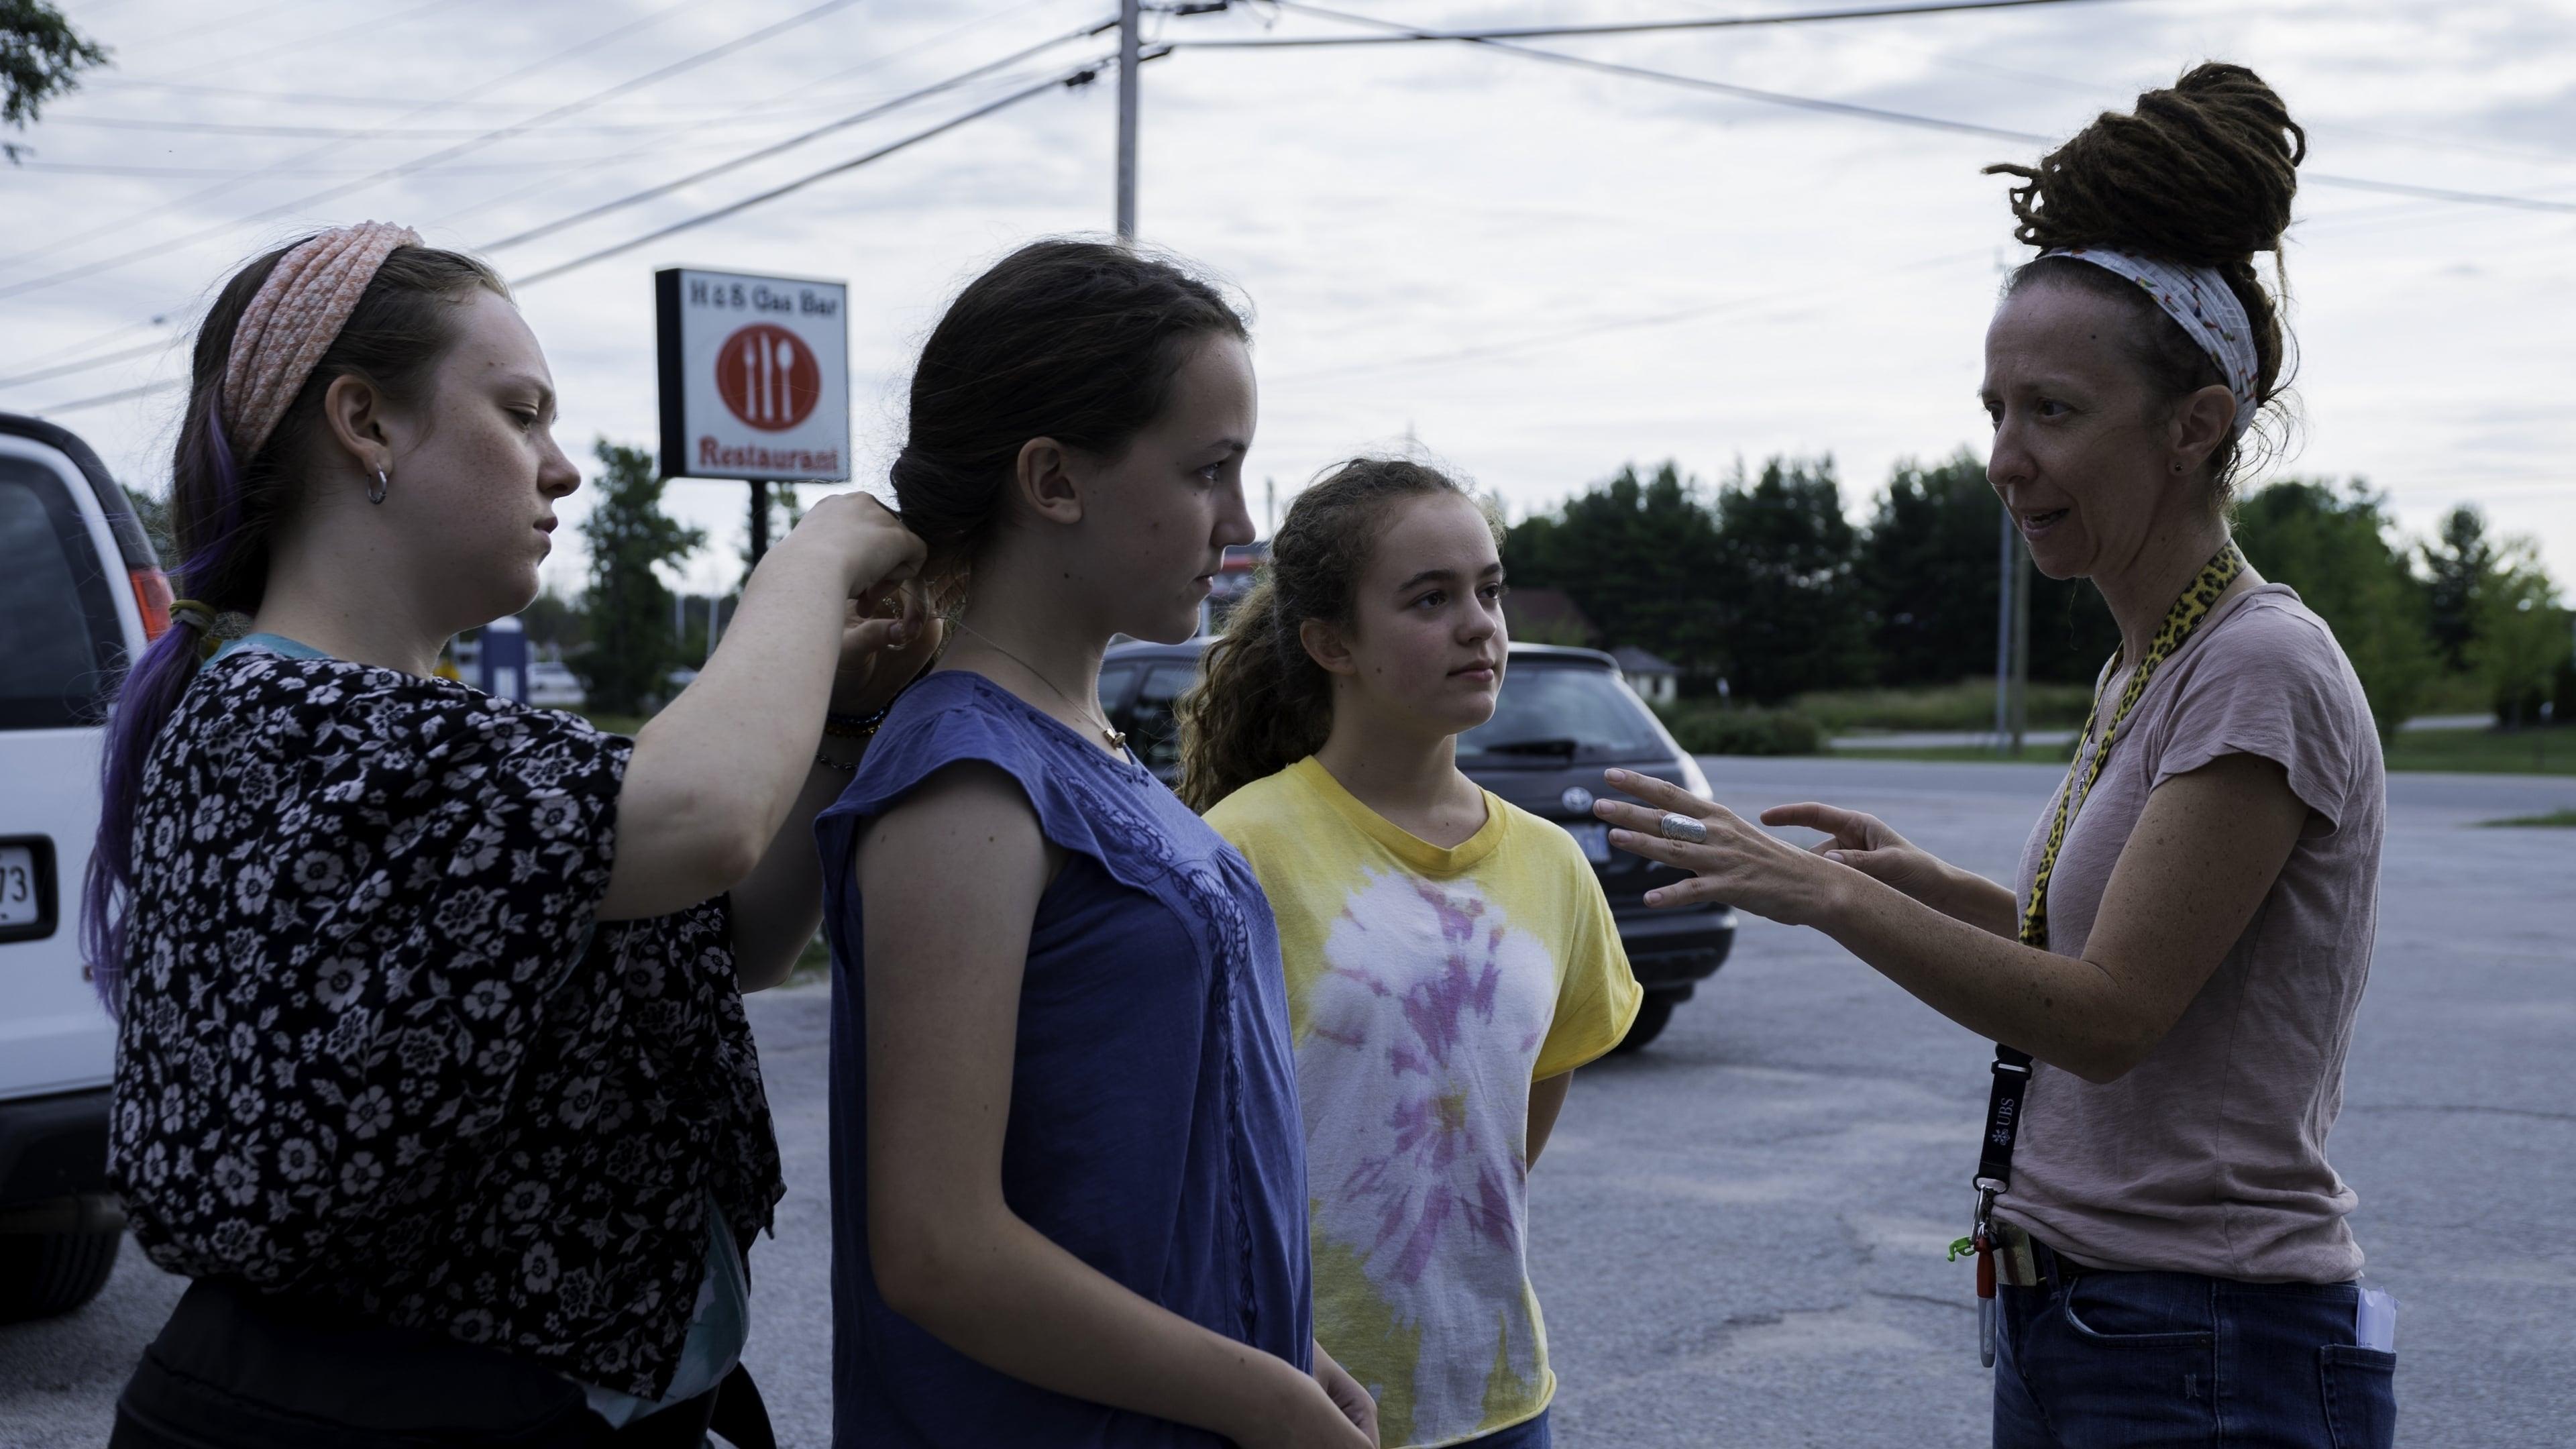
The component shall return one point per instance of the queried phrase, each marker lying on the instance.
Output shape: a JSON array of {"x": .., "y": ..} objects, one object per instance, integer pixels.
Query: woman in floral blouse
[{"x": 434, "y": 1073}]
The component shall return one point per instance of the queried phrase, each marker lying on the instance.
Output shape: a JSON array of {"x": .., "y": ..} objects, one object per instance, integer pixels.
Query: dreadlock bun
[{"x": 2201, "y": 174}]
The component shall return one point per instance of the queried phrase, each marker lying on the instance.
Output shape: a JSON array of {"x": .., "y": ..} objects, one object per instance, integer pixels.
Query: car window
[
  {"x": 1152, "y": 734},
  {"x": 1545, "y": 703},
  {"x": 64, "y": 638}
]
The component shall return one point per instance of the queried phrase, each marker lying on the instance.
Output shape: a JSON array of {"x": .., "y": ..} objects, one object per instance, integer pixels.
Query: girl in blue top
[{"x": 1068, "y": 1190}]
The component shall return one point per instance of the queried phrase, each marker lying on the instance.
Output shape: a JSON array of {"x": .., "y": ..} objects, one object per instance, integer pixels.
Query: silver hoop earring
[{"x": 376, "y": 490}]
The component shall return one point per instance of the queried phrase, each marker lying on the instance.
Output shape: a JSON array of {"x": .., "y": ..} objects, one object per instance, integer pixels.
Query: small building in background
[{"x": 1653, "y": 677}]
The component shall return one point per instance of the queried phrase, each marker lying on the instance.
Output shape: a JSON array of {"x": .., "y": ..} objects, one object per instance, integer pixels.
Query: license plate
[
  {"x": 1593, "y": 837},
  {"x": 19, "y": 903}
]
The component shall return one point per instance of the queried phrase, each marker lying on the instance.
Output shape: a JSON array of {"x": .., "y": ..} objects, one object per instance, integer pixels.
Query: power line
[
  {"x": 569, "y": 108},
  {"x": 550, "y": 165},
  {"x": 113, "y": 84},
  {"x": 792, "y": 142},
  {"x": 1077, "y": 77},
  {"x": 1509, "y": 346},
  {"x": 203, "y": 193},
  {"x": 1636, "y": 72},
  {"x": 122, "y": 395},
  {"x": 1635, "y": 27},
  {"x": 43, "y": 358},
  {"x": 123, "y": 355},
  {"x": 2070, "y": 85},
  {"x": 1899, "y": 118},
  {"x": 2439, "y": 193},
  {"x": 108, "y": 359},
  {"x": 237, "y": 20},
  {"x": 873, "y": 63},
  {"x": 1080, "y": 76},
  {"x": 385, "y": 133},
  {"x": 307, "y": 42},
  {"x": 727, "y": 117}
]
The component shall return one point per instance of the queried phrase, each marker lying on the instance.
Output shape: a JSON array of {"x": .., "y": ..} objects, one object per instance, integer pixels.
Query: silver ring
[{"x": 1677, "y": 826}]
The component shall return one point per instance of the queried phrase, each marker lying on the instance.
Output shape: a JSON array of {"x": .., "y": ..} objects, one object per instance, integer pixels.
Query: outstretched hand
[
  {"x": 1740, "y": 863},
  {"x": 1865, "y": 843}
]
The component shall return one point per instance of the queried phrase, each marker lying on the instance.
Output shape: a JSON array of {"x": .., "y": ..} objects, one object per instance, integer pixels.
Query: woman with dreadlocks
[
  {"x": 433, "y": 1071},
  {"x": 2172, "y": 979}
]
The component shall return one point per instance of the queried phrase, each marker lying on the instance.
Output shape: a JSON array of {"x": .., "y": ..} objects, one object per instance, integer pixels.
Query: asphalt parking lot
[{"x": 1739, "y": 1232}]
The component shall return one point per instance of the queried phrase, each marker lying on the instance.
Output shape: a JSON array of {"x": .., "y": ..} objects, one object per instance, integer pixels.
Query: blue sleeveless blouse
[{"x": 1153, "y": 1129}]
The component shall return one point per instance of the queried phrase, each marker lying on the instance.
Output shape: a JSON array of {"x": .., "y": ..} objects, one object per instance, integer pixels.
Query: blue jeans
[
  {"x": 1528, "y": 1434},
  {"x": 2097, "y": 1360}
]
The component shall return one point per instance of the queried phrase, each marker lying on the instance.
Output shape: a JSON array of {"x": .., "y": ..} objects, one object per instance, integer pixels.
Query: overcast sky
[{"x": 1537, "y": 272}]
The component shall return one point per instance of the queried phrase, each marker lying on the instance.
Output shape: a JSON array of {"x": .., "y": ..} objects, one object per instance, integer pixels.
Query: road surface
[{"x": 1738, "y": 1232}]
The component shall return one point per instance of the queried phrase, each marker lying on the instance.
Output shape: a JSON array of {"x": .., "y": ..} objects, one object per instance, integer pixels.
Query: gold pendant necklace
[{"x": 1116, "y": 737}]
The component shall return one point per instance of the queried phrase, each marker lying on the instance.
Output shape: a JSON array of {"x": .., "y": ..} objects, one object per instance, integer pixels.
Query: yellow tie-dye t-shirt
[{"x": 1427, "y": 989}]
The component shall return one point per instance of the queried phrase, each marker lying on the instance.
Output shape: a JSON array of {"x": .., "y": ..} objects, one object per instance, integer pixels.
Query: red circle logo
[{"x": 768, "y": 377}]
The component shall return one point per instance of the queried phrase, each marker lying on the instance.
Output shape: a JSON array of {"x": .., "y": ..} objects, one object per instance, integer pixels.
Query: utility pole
[{"x": 1130, "y": 26}]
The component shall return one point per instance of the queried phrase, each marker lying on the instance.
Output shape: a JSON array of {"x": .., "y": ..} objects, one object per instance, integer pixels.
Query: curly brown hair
[
  {"x": 1262, "y": 703},
  {"x": 2202, "y": 174}
]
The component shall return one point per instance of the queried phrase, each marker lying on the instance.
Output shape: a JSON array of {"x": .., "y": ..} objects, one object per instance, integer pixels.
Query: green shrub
[
  {"x": 1717, "y": 730},
  {"x": 1966, "y": 705}
]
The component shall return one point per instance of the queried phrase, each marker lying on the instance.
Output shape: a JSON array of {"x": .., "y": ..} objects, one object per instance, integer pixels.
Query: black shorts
[{"x": 239, "y": 1369}]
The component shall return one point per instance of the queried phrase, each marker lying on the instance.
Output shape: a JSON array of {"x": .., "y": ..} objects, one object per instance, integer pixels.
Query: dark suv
[{"x": 1564, "y": 717}]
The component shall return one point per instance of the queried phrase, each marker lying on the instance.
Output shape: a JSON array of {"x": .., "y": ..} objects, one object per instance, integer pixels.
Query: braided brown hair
[
  {"x": 1262, "y": 702},
  {"x": 2202, "y": 174}
]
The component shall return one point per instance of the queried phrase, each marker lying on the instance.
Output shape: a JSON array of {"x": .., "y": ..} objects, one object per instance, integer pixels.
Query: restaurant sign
[{"x": 755, "y": 375}]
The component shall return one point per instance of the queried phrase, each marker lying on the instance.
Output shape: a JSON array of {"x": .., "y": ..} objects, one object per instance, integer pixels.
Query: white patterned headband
[{"x": 2200, "y": 299}]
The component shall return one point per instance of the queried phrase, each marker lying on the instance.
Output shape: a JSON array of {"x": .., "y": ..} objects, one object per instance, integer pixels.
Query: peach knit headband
[{"x": 293, "y": 320}]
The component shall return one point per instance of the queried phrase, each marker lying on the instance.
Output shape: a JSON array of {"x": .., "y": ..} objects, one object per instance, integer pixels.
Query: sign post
[{"x": 755, "y": 381}]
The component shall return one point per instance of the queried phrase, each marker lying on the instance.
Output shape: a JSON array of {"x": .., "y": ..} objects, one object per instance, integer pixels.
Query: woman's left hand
[
  {"x": 887, "y": 637},
  {"x": 1741, "y": 864}
]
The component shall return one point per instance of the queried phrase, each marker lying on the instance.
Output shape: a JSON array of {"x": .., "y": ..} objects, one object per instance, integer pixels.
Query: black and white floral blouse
[{"x": 373, "y": 1048}]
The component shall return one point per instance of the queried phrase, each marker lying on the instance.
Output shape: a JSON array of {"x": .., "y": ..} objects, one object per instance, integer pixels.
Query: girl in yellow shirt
[{"x": 1450, "y": 957}]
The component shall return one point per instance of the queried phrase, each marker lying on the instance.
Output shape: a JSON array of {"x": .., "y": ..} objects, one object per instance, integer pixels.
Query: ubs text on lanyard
[{"x": 2012, "y": 1067}]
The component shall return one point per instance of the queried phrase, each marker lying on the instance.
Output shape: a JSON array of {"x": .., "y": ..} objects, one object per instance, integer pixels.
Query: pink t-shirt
[{"x": 2209, "y": 1157}]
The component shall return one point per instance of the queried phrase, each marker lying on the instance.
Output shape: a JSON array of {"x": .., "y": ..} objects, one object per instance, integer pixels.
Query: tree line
[{"x": 1762, "y": 587}]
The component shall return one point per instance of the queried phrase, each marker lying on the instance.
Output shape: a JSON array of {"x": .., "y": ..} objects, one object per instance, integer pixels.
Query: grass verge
[
  {"x": 1966, "y": 705},
  {"x": 2554, "y": 820},
  {"x": 1963, "y": 754},
  {"x": 2487, "y": 752}
]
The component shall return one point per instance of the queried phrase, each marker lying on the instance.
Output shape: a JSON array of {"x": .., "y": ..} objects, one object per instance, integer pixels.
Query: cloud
[{"x": 1542, "y": 273}]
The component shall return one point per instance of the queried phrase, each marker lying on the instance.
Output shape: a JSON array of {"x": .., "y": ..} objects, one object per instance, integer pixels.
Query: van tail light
[{"x": 152, "y": 596}]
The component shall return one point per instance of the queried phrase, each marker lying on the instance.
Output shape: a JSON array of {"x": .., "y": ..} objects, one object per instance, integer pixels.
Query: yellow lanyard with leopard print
[
  {"x": 2185, "y": 616},
  {"x": 2012, "y": 1066}
]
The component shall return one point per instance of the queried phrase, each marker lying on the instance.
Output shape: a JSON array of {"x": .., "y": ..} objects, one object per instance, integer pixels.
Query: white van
[{"x": 80, "y": 594}]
